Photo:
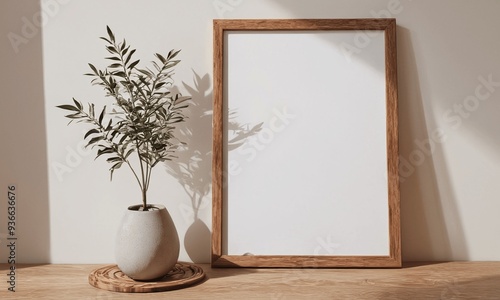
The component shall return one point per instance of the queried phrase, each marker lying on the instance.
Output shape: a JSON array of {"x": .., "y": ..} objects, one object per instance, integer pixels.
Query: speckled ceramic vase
[{"x": 147, "y": 244}]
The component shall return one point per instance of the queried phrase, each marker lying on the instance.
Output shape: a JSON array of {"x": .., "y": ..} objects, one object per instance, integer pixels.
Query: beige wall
[{"x": 68, "y": 211}]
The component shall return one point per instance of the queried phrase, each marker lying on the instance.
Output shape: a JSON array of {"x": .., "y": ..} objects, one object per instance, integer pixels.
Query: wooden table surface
[{"x": 447, "y": 280}]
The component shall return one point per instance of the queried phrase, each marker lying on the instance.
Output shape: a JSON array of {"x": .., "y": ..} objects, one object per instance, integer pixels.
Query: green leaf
[
  {"x": 113, "y": 58},
  {"x": 161, "y": 58},
  {"x": 176, "y": 120},
  {"x": 142, "y": 80},
  {"x": 113, "y": 133},
  {"x": 110, "y": 33},
  {"x": 173, "y": 54},
  {"x": 94, "y": 69},
  {"x": 123, "y": 138},
  {"x": 95, "y": 140},
  {"x": 103, "y": 38},
  {"x": 119, "y": 74},
  {"x": 106, "y": 150},
  {"x": 117, "y": 65},
  {"x": 78, "y": 104},
  {"x": 108, "y": 128},
  {"x": 92, "y": 131},
  {"x": 125, "y": 51},
  {"x": 157, "y": 67},
  {"x": 113, "y": 168},
  {"x": 172, "y": 64},
  {"x": 67, "y": 107},
  {"x": 111, "y": 49},
  {"x": 114, "y": 159},
  {"x": 91, "y": 110},
  {"x": 75, "y": 116},
  {"x": 129, "y": 56},
  {"x": 101, "y": 116},
  {"x": 130, "y": 151},
  {"x": 160, "y": 84},
  {"x": 159, "y": 146},
  {"x": 133, "y": 64}
]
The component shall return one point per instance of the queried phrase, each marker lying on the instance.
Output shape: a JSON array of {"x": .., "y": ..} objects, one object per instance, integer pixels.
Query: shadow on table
[{"x": 416, "y": 264}]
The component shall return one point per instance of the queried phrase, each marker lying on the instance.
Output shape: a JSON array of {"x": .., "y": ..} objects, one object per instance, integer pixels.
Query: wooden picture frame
[{"x": 244, "y": 34}]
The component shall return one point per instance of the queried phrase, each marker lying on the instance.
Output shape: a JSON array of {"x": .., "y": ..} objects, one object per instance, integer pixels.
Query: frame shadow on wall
[{"x": 430, "y": 224}]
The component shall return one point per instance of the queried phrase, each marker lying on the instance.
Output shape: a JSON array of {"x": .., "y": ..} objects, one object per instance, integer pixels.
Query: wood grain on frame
[{"x": 220, "y": 259}]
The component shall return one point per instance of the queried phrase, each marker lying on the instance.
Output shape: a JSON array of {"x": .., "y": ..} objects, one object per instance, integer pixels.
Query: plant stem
[
  {"x": 148, "y": 176},
  {"x": 144, "y": 188},
  {"x": 144, "y": 204},
  {"x": 135, "y": 174}
]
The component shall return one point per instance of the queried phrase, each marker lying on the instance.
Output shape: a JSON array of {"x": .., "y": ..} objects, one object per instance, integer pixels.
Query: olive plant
[{"x": 141, "y": 121}]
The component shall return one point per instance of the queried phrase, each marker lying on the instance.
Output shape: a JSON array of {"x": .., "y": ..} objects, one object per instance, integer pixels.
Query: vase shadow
[{"x": 197, "y": 241}]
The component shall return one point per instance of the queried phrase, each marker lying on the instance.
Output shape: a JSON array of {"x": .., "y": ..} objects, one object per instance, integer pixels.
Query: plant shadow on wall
[
  {"x": 432, "y": 228},
  {"x": 193, "y": 167}
]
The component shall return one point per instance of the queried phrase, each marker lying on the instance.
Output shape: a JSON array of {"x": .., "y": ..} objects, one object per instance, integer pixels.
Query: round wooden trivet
[{"x": 112, "y": 279}]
